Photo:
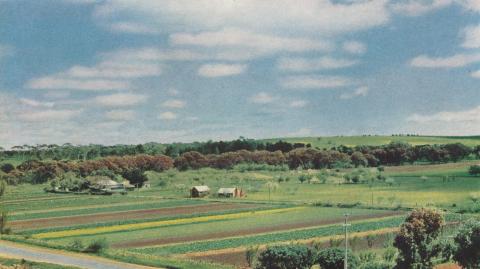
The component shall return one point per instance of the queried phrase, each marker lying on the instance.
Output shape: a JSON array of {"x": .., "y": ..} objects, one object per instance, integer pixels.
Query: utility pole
[{"x": 345, "y": 261}]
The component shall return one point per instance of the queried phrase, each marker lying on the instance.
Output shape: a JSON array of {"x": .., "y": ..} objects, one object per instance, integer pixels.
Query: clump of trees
[{"x": 474, "y": 170}]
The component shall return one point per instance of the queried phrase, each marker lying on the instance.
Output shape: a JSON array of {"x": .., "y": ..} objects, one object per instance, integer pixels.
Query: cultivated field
[{"x": 161, "y": 226}]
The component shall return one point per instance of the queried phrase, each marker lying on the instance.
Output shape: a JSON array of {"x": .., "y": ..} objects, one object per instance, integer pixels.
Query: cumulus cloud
[
  {"x": 464, "y": 122},
  {"x": 132, "y": 27},
  {"x": 317, "y": 16},
  {"x": 174, "y": 103},
  {"x": 120, "y": 99},
  {"x": 476, "y": 74},
  {"x": 240, "y": 38},
  {"x": 362, "y": 91},
  {"x": 35, "y": 103},
  {"x": 419, "y": 7},
  {"x": 58, "y": 83},
  {"x": 262, "y": 98},
  {"x": 304, "y": 64},
  {"x": 48, "y": 115},
  {"x": 455, "y": 61},
  {"x": 168, "y": 115},
  {"x": 472, "y": 37},
  {"x": 221, "y": 70},
  {"x": 354, "y": 47},
  {"x": 120, "y": 115},
  {"x": 298, "y": 103},
  {"x": 315, "y": 82}
]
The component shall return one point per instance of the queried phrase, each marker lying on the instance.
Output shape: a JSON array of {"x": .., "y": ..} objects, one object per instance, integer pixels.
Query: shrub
[
  {"x": 467, "y": 240},
  {"x": 251, "y": 255},
  {"x": 474, "y": 170},
  {"x": 286, "y": 257},
  {"x": 77, "y": 245},
  {"x": 376, "y": 265},
  {"x": 7, "y": 167},
  {"x": 96, "y": 246},
  {"x": 333, "y": 258}
]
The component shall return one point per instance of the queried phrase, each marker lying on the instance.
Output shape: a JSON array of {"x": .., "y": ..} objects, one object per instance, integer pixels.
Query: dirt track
[
  {"x": 124, "y": 215},
  {"x": 242, "y": 232}
]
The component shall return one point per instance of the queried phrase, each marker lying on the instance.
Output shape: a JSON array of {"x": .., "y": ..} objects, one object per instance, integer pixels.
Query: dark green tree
[{"x": 467, "y": 240}]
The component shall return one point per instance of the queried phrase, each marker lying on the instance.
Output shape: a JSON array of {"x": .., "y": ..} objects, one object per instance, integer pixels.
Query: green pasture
[{"x": 332, "y": 141}]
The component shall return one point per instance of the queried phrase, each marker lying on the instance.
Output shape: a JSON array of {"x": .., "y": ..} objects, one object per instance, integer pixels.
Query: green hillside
[{"x": 331, "y": 141}]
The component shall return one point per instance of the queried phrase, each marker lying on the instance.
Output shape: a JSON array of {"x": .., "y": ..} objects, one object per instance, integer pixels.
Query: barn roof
[
  {"x": 201, "y": 188},
  {"x": 227, "y": 190}
]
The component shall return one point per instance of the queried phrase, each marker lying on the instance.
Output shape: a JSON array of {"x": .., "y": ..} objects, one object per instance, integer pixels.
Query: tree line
[
  {"x": 69, "y": 151},
  {"x": 36, "y": 171}
]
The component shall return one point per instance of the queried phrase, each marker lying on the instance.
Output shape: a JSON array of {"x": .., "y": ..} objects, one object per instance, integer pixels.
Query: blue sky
[{"x": 118, "y": 71}]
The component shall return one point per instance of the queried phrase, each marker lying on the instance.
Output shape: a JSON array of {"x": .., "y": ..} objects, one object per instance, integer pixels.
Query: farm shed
[
  {"x": 230, "y": 192},
  {"x": 199, "y": 191}
]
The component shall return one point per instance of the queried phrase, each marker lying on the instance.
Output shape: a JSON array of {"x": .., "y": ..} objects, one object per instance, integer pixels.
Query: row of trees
[
  {"x": 35, "y": 171},
  {"x": 130, "y": 167},
  {"x": 419, "y": 245},
  {"x": 89, "y": 152}
]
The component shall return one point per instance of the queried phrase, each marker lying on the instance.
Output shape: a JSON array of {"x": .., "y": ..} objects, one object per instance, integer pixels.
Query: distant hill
[{"x": 331, "y": 141}]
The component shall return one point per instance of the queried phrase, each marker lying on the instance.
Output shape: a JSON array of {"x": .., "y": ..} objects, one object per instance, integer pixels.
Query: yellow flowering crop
[{"x": 161, "y": 223}]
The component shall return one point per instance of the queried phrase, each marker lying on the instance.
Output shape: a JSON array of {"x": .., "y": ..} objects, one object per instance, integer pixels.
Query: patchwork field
[{"x": 161, "y": 226}]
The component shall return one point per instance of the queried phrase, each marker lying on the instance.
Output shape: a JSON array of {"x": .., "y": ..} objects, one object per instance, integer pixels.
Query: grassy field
[
  {"x": 161, "y": 226},
  {"x": 331, "y": 141}
]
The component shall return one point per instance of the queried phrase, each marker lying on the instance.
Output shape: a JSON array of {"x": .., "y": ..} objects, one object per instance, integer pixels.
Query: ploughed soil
[
  {"x": 124, "y": 215},
  {"x": 242, "y": 232}
]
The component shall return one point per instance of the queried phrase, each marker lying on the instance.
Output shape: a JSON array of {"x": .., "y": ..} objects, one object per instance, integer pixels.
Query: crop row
[
  {"x": 303, "y": 234},
  {"x": 155, "y": 224},
  {"x": 65, "y": 212}
]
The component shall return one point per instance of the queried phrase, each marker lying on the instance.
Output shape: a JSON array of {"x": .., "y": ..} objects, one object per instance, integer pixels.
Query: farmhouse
[
  {"x": 230, "y": 192},
  {"x": 199, "y": 191},
  {"x": 105, "y": 185}
]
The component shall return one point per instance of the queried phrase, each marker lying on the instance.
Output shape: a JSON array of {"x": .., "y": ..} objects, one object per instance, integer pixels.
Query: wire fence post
[{"x": 345, "y": 225}]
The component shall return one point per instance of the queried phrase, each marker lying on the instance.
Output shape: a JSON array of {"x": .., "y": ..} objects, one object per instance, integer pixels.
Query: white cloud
[
  {"x": 174, "y": 103},
  {"x": 472, "y": 115},
  {"x": 304, "y": 64},
  {"x": 173, "y": 92},
  {"x": 235, "y": 38},
  {"x": 362, "y": 91},
  {"x": 48, "y": 115},
  {"x": 465, "y": 122},
  {"x": 315, "y": 82},
  {"x": 315, "y": 16},
  {"x": 354, "y": 47},
  {"x": 120, "y": 115},
  {"x": 262, "y": 98},
  {"x": 475, "y": 74},
  {"x": 473, "y": 5},
  {"x": 419, "y": 7},
  {"x": 472, "y": 37},
  {"x": 168, "y": 115},
  {"x": 55, "y": 83},
  {"x": 221, "y": 70},
  {"x": 132, "y": 27},
  {"x": 298, "y": 103},
  {"x": 35, "y": 103},
  {"x": 455, "y": 61},
  {"x": 120, "y": 99},
  {"x": 115, "y": 70}
]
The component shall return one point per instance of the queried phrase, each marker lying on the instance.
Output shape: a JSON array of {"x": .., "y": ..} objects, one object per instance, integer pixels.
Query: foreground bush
[
  {"x": 286, "y": 257},
  {"x": 332, "y": 258},
  {"x": 467, "y": 253},
  {"x": 96, "y": 246}
]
